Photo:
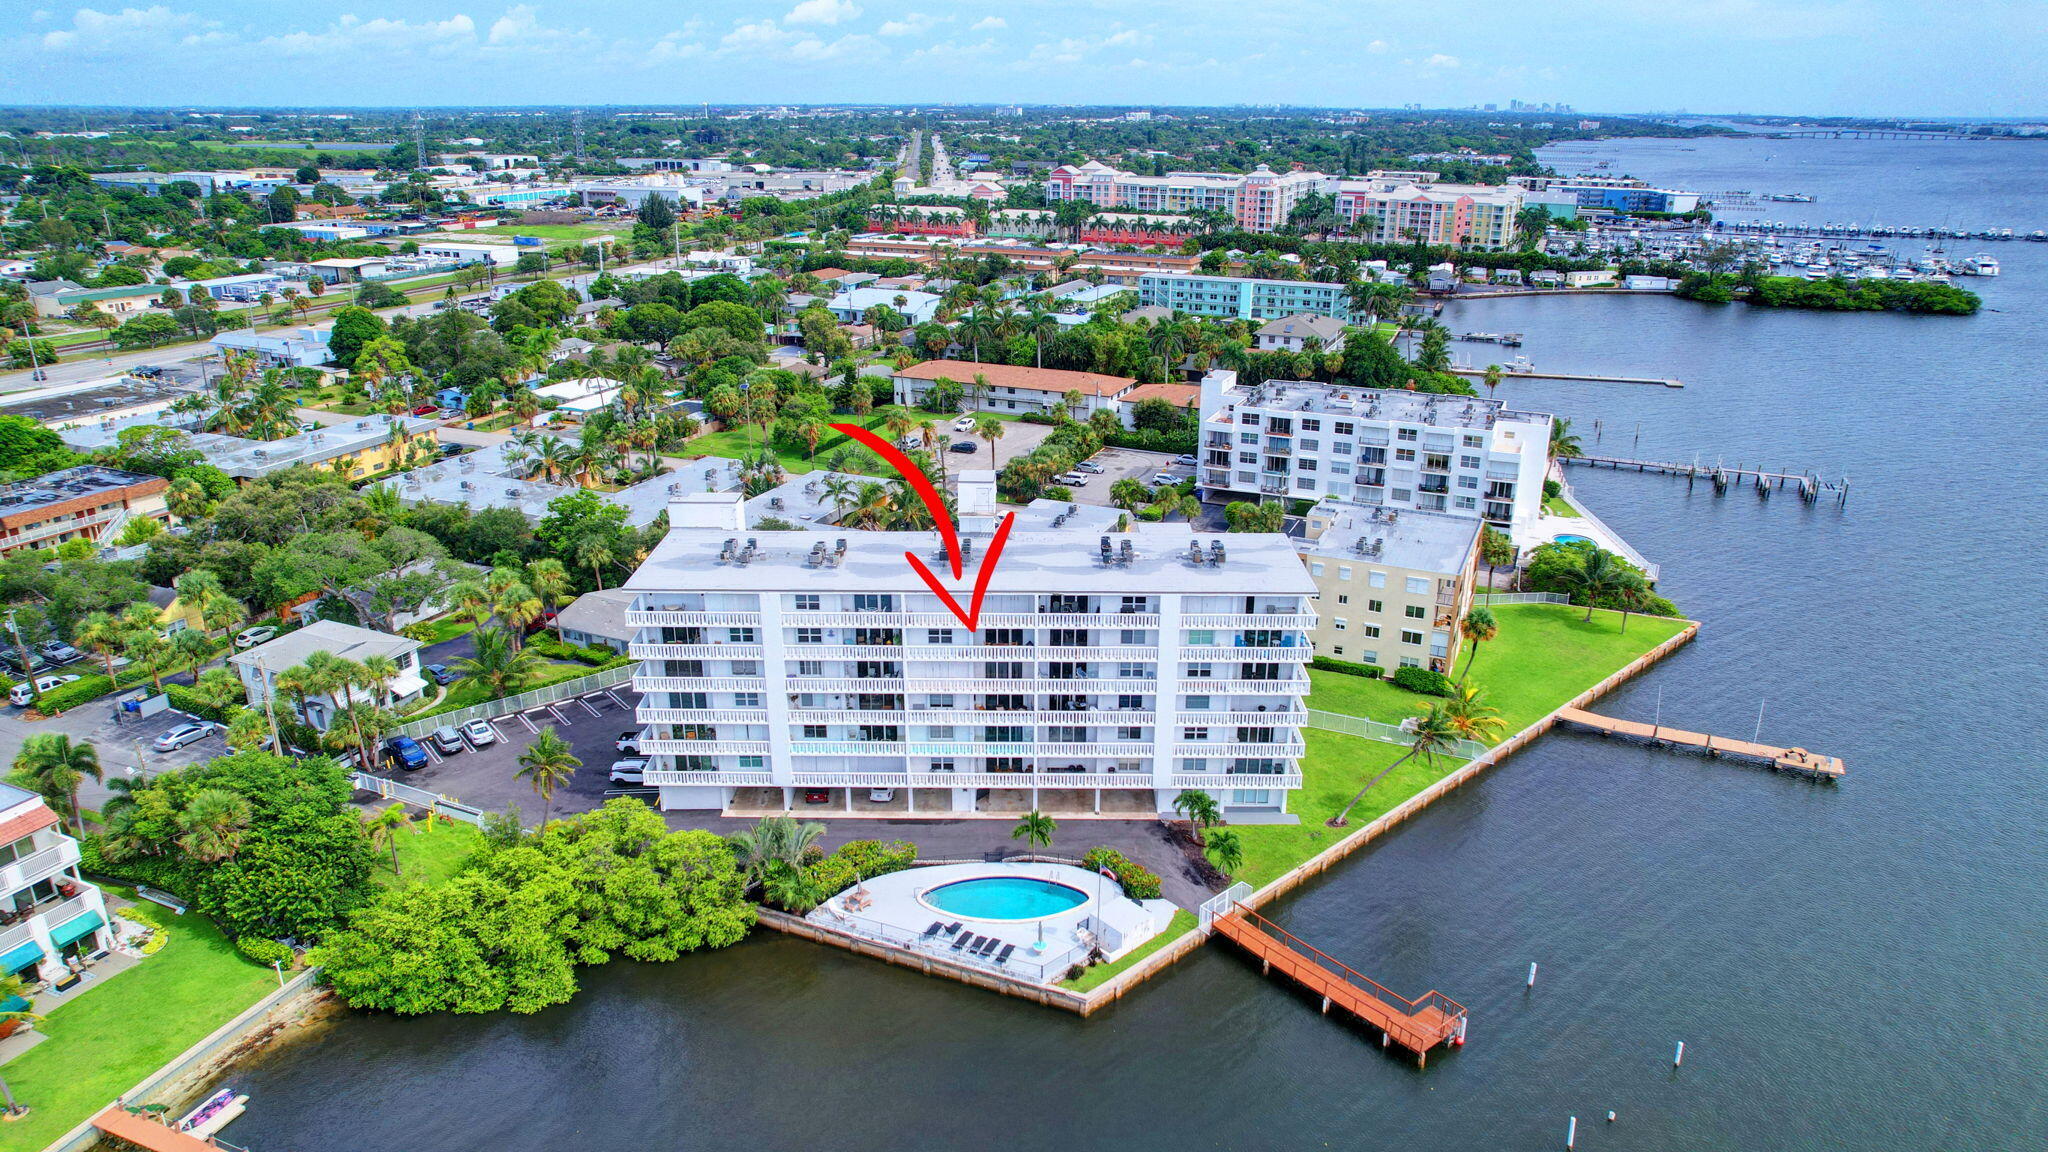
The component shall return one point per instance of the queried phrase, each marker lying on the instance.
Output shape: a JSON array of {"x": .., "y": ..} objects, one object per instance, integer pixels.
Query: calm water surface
[{"x": 1856, "y": 967}]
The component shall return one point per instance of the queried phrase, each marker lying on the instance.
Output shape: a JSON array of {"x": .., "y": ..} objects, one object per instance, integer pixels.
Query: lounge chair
[
  {"x": 951, "y": 928},
  {"x": 961, "y": 942},
  {"x": 1003, "y": 957},
  {"x": 933, "y": 930},
  {"x": 988, "y": 946}
]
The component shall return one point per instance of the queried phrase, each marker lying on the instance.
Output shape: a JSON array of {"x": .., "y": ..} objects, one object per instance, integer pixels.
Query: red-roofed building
[{"x": 1013, "y": 388}]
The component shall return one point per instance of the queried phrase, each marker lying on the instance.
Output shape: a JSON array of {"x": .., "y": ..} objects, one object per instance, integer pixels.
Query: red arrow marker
[
  {"x": 915, "y": 477},
  {"x": 919, "y": 484}
]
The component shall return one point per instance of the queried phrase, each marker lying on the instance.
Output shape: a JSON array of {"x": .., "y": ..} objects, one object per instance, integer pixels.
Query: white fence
[
  {"x": 1022, "y": 964},
  {"x": 1521, "y": 598},
  {"x": 418, "y": 797},
  {"x": 492, "y": 709},
  {"x": 1221, "y": 903},
  {"x": 1387, "y": 733}
]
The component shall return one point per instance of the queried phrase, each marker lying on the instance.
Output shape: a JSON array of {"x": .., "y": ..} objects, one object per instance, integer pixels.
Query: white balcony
[
  {"x": 847, "y": 747},
  {"x": 1282, "y": 620},
  {"x": 1232, "y": 719},
  {"x": 1218, "y": 781},
  {"x": 681, "y": 618},
  {"x": 644, "y": 682},
  {"x": 829, "y": 651},
  {"x": 36, "y": 866},
  {"x": 647, "y": 714},
  {"x": 892, "y": 685},
  {"x": 15, "y": 937},
  {"x": 1090, "y": 686},
  {"x": 652, "y": 747},
  {"x": 657, "y": 777},
  {"x": 1296, "y": 653},
  {"x": 640, "y": 651},
  {"x": 1295, "y": 687},
  {"x": 1033, "y": 780},
  {"x": 987, "y": 620},
  {"x": 1211, "y": 749}
]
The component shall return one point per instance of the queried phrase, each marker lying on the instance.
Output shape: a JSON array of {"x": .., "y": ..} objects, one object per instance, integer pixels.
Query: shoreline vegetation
[{"x": 1834, "y": 294}]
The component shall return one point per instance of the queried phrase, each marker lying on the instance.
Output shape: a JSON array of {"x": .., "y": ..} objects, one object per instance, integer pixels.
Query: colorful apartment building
[
  {"x": 50, "y": 918},
  {"x": 1258, "y": 201},
  {"x": 88, "y": 503}
]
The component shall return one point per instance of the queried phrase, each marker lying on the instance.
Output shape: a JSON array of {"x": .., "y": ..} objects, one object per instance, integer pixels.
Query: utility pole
[{"x": 419, "y": 139}]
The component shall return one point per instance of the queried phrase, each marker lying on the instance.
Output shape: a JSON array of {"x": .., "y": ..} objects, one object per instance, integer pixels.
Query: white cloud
[
  {"x": 914, "y": 24},
  {"x": 1440, "y": 61},
  {"x": 757, "y": 35},
  {"x": 810, "y": 48},
  {"x": 517, "y": 22},
  {"x": 1127, "y": 36},
  {"x": 822, "y": 12},
  {"x": 990, "y": 24},
  {"x": 93, "y": 29},
  {"x": 1376, "y": 47},
  {"x": 352, "y": 33}
]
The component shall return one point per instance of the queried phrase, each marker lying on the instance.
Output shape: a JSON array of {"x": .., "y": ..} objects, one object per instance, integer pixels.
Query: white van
[{"x": 22, "y": 694}]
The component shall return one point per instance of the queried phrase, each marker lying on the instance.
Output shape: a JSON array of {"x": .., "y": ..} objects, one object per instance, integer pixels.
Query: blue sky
[{"x": 1964, "y": 58}]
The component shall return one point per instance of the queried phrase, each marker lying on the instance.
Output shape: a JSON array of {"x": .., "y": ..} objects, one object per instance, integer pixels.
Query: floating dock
[
  {"x": 1784, "y": 759},
  {"x": 1417, "y": 1025},
  {"x": 1575, "y": 377},
  {"x": 1809, "y": 486}
]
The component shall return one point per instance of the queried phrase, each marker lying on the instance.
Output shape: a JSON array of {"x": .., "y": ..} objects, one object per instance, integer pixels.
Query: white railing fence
[
  {"x": 1221, "y": 903},
  {"x": 418, "y": 797},
  {"x": 492, "y": 709},
  {"x": 1521, "y": 598}
]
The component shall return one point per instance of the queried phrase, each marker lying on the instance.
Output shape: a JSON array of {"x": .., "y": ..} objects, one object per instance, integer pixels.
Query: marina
[{"x": 1526, "y": 371}]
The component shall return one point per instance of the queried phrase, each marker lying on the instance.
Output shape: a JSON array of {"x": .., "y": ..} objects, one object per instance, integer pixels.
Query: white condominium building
[
  {"x": 1302, "y": 440},
  {"x": 1106, "y": 674},
  {"x": 1471, "y": 215},
  {"x": 50, "y": 918}
]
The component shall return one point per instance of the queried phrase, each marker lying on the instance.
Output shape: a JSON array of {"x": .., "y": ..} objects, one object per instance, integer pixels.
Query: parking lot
[
  {"x": 1126, "y": 463},
  {"x": 487, "y": 777}
]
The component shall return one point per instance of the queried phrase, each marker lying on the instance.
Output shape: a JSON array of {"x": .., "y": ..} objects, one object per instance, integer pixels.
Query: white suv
[{"x": 629, "y": 771}]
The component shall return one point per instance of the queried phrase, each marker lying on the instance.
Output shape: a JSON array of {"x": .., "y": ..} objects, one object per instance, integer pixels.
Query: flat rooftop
[
  {"x": 1396, "y": 537},
  {"x": 70, "y": 484},
  {"x": 1034, "y": 560},
  {"x": 99, "y": 398},
  {"x": 1399, "y": 405},
  {"x": 344, "y": 640},
  {"x": 486, "y": 478},
  {"x": 238, "y": 456}
]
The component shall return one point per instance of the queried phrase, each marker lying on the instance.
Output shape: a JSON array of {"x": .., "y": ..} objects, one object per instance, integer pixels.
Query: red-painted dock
[{"x": 1417, "y": 1025}]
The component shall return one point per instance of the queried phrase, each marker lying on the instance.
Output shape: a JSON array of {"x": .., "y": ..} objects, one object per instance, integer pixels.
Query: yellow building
[
  {"x": 1393, "y": 584},
  {"x": 355, "y": 450}
]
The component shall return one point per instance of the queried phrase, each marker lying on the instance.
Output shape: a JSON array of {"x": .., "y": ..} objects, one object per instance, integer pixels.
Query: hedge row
[
  {"x": 858, "y": 860},
  {"x": 1139, "y": 882},
  {"x": 1348, "y": 667},
  {"x": 1423, "y": 681},
  {"x": 84, "y": 690}
]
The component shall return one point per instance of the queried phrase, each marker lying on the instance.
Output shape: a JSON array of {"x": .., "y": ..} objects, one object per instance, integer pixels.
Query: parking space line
[
  {"x": 529, "y": 723},
  {"x": 615, "y": 697},
  {"x": 588, "y": 707},
  {"x": 432, "y": 753}
]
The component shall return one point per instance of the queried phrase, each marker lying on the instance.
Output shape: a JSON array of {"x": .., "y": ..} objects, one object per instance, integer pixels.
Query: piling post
[
  {"x": 1571, "y": 1133},
  {"x": 1678, "y": 1057},
  {"x": 1532, "y": 977}
]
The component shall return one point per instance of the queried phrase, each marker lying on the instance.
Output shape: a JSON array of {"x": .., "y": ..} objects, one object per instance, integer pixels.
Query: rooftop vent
[
  {"x": 1125, "y": 554},
  {"x": 725, "y": 551},
  {"x": 1105, "y": 551},
  {"x": 1216, "y": 556}
]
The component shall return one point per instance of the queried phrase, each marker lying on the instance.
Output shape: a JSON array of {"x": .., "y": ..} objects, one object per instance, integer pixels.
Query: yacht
[
  {"x": 1791, "y": 197},
  {"x": 1981, "y": 265}
]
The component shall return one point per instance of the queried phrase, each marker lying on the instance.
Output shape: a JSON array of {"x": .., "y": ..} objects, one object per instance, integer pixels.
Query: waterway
[{"x": 1851, "y": 967}]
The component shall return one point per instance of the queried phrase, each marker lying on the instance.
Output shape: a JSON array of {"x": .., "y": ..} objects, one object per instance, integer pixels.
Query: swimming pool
[
  {"x": 1568, "y": 539},
  {"x": 1005, "y": 898}
]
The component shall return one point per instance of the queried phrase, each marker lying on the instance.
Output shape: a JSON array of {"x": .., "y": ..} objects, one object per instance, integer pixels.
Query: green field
[
  {"x": 568, "y": 233},
  {"x": 745, "y": 442},
  {"x": 1545, "y": 655},
  {"x": 428, "y": 855},
  {"x": 101, "y": 1044},
  {"x": 1559, "y": 506}
]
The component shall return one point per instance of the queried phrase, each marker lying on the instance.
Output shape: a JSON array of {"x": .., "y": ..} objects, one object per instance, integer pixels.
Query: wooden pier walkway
[
  {"x": 1724, "y": 477},
  {"x": 1784, "y": 759},
  {"x": 149, "y": 1134},
  {"x": 1574, "y": 377},
  {"x": 1416, "y": 1025}
]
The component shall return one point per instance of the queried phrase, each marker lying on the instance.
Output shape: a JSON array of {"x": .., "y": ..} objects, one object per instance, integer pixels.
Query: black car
[
  {"x": 964, "y": 446},
  {"x": 443, "y": 674}
]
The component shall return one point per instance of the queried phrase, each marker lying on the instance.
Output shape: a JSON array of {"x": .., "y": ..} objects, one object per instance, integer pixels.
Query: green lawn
[
  {"x": 1559, "y": 506},
  {"x": 70, "y": 339},
  {"x": 568, "y": 232},
  {"x": 429, "y": 855},
  {"x": 745, "y": 441},
  {"x": 1183, "y": 923},
  {"x": 1545, "y": 655},
  {"x": 101, "y": 1044},
  {"x": 445, "y": 628},
  {"x": 465, "y": 693}
]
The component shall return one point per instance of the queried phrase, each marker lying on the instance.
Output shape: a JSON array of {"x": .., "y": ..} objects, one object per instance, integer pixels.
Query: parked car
[
  {"x": 308, "y": 426},
  {"x": 24, "y": 665},
  {"x": 1184, "y": 460},
  {"x": 629, "y": 742},
  {"x": 426, "y": 410},
  {"x": 480, "y": 733},
  {"x": 881, "y": 795},
  {"x": 1072, "y": 479},
  {"x": 544, "y": 620},
  {"x": 447, "y": 740},
  {"x": 405, "y": 752},
  {"x": 817, "y": 795},
  {"x": 632, "y": 770},
  {"x": 442, "y": 673},
  {"x": 1164, "y": 478},
  {"x": 964, "y": 446},
  {"x": 1090, "y": 466},
  {"x": 964, "y": 424},
  {"x": 58, "y": 652},
  {"x": 251, "y": 637},
  {"x": 190, "y": 732},
  {"x": 23, "y": 695},
  {"x": 454, "y": 449}
]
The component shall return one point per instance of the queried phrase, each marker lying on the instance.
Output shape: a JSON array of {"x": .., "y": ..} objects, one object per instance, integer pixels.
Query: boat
[
  {"x": 1981, "y": 265},
  {"x": 1791, "y": 197},
  {"x": 2037, "y": 235},
  {"x": 214, "y": 1113}
]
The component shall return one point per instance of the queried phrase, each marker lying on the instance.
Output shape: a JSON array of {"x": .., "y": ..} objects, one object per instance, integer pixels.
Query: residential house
[
  {"x": 259, "y": 667},
  {"x": 1292, "y": 333},
  {"x": 598, "y": 620},
  {"x": 88, "y": 502},
  {"x": 1013, "y": 388}
]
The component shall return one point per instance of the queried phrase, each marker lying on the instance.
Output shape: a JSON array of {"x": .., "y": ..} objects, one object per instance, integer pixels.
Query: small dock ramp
[
  {"x": 1784, "y": 759},
  {"x": 152, "y": 1135},
  {"x": 1417, "y": 1025}
]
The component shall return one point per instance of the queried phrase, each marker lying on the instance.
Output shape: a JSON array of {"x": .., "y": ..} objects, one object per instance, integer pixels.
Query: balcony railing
[
  {"x": 654, "y": 747},
  {"x": 1283, "y": 619},
  {"x": 647, "y": 714},
  {"x": 1076, "y": 686},
  {"x": 655, "y": 651},
  {"x": 1300, "y": 652},
  {"x": 1297, "y": 686},
  {"x": 683, "y": 618},
  {"x": 1201, "y": 748},
  {"x": 750, "y": 779},
  {"x": 34, "y": 867},
  {"x": 1290, "y": 719},
  {"x": 1214, "y": 780},
  {"x": 650, "y": 682}
]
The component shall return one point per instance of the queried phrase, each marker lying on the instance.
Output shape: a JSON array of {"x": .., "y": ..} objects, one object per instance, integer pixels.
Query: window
[
  {"x": 1471, "y": 441},
  {"x": 746, "y": 699},
  {"x": 1467, "y": 502},
  {"x": 1135, "y": 605},
  {"x": 810, "y": 667},
  {"x": 1247, "y": 457},
  {"x": 1307, "y": 465},
  {"x": 1247, "y": 437},
  {"x": 754, "y": 762},
  {"x": 1315, "y": 568},
  {"x": 1194, "y": 765},
  {"x": 1200, "y": 671},
  {"x": 1311, "y": 446},
  {"x": 939, "y": 701},
  {"x": 1372, "y": 631},
  {"x": 746, "y": 668},
  {"x": 1132, "y": 671},
  {"x": 873, "y": 602},
  {"x": 1468, "y": 481},
  {"x": 942, "y": 765},
  {"x": 1416, "y": 612},
  {"x": 740, "y": 635},
  {"x": 1337, "y": 623},
  {"x": 1406, "y": 434},
  {"x": 1468, "y": 461},
  {"x": 1376, "y": 580},
  {"x": 816, "y": 731},
  {"x": 939, "y": 732},
  {"x": 1310, "y": 424},
  {"x": 1131, "y": 636},
  {"x": 1340, "y": 468},
  {"x": 1411, "y": 662},
  {"x": 1405, "y": 455},
  {"x": 1194, "y": 733},
  {"x": 1343, "y": 571},
  {"x": 938, "y": 636},
  {"x": 1129, "y": 732},
  {"x": 1342, "y": 428},
  {"x": 1343, "y": 598},
  {"x": 807, "y": 601},
  {"x": 1338, "y": 650},
  {"x": 1408, "y": 637},
  {"x": 1201, "y": 637},
  {"x": 1198, "y": 703},
  {"x": 1418, "y": 585},
  {"x": 810, "y": 635},
  {"x": 1130, "y": 703}
]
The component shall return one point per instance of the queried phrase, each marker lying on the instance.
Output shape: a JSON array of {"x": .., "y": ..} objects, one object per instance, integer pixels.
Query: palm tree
[
  {"x": 547, "y": 763},
  {"x": 502, "y": 669},
  {"x": 1564, "y": 445},
  {"x": 103, "y": 635},
  {"x": 1599, "y": 572},
  {"x": 1478, "y": 626},
  {"x": 142, "y": 642},
  {"x": 190, "y": 646},
  {"x": 516, "y": 607},
  {"x": 774, "y": 840},
  {"x": 1224, "y": 849},
  {"x": 1433, "y": 733},
  {"x": 378, "y": 671},
  {"x": 1471, "y": 717},
  {"x": 1034, "y": 828},
  {"x": 54, "y": 767},
  {"x": 1630, "y": 592},
  {"x": 1199, "y": 809},
  {"x": 990, "y": 429},
  {"x": 1492, "y": 380},
  {"x": 211, "y": 825},
  {"x": 384, "y": 827},
  {"x": 550, "y": 581},
  {"x": 598, "y": 553},
  {"x": 1127, "y": 494}
]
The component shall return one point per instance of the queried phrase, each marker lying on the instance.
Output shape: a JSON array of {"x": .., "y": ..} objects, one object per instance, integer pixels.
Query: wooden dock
[
  {"x": 1724, "y": 477},
  {"x": 1416, "y": 1025},
  {"x": 146, "y": 1133},
  {"x": 1574, "y": 377},
  {"x": 1784, "y": 759}
]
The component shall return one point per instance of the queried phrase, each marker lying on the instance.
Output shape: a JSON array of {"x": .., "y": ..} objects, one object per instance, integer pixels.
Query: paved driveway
[
  {"x": 487, "y": 777},
  {"x": 1126, "y": 463}
]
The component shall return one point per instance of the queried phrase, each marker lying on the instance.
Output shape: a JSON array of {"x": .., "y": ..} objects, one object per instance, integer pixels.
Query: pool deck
[{"x": 890, "y": 911}]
